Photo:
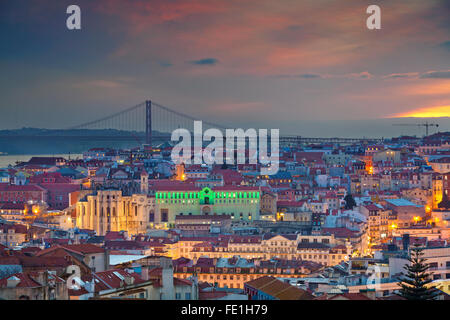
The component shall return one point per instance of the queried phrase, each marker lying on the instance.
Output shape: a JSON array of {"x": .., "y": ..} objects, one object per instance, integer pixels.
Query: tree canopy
[
  {"x": 415, "y": 284},
  {"x": 350, "y": 203}
]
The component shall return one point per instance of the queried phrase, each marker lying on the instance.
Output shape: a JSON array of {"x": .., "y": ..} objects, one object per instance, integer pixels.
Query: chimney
[
  {"x": 168, "y": 289},
  {"x": 12, "y": 282},
  {"x": 90, "y": 286},
  {"x": 42, "y": 278},
  {"x": 144, "y": 273},
  {"x": 406, "y": 241},
  {"x": 369, "y": 293},
  {"x": 129, "y": 280},
  {"x": 107, "y": 259}
]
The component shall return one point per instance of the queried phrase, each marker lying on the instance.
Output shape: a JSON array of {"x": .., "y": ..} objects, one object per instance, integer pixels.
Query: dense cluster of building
[{"x": 335, "y": 222}]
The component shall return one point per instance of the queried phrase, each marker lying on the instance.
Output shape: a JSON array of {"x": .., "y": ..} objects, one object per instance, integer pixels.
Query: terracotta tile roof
[
  {"x": 181, "y": 282},
  {"x": 204, "y": 285},
  {"x": 293, "y": 293},
  {"x": 125, "y": 245},
  {"x": 85, "y": 248},
  {"x": 114, "y": 279},
  {"x": 372, "y": 207},
  {"x": 43, "y": 262},
  {"x": 18, "y": 228},
  {"x": 114, "y": 235},
  {"x": 203, "y": 217},
  {"x": 260, "y": 282},
  {"x": 350, "y": 296},
  {"x": 340, "y": 232},
  {"x": 245, "y": 239},
  {"x": 317, "y": 245},
  {"x": 26, "y": 281},
  {"x": 229, "y": 176},
  {"x": 198, "y": 239},
  {"x": 50, "y": 175},
  {"x": 75, "y": 293},
  {"x": 284, "y": 203},
  {"x": 7, "y": 260},
  {"x": 155, "y": 274},
  {"x": 60, "y": 187},
  {"x": 52, "y": 241},
  {"x": 205, "y": 262},
  {"x": 211, "y": 295},
  {"x": 48, "y": 161},
  {"x": 278, "y": 289},
  {"x": 31, "y": 250},
  {"x": 24, "y": 188},
  {"x": 182, "y": 262},
  {"x": 236, "y": 188},
  {"x": 12, "y": 206},
  {"x": 393, "y": 297}
]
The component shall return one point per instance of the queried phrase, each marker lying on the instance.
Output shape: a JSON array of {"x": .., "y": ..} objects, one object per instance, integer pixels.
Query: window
[
  {"x": 188, "y": 296},
  {"x": 177, "y": 296},
  {"x": 164, "y": 215}
]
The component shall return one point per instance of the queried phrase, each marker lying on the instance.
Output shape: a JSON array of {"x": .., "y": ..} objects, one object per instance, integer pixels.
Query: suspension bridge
[
  {"x": 146, "y": 122},
  {"x": 150, "y": 123}
]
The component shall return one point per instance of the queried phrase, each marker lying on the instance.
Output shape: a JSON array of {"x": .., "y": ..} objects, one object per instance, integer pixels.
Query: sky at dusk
[{"x": 308, "y": 67}]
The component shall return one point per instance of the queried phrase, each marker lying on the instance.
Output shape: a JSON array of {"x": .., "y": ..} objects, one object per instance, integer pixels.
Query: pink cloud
[{"x": 263, "y": 37}]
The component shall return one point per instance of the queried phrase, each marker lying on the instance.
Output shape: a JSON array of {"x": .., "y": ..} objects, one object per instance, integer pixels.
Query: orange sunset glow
[{"x": 427, "y": 112}]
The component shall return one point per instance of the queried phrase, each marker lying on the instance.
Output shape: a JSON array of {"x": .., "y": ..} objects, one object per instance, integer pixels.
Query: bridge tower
[{"x": 148, "y": 123}]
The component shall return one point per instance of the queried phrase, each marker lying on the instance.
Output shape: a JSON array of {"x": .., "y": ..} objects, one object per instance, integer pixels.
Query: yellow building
[
  {"x": 437, "y": 191},
  {"x": 319, "y": 249},
  {"x": 387, "y": 155}
]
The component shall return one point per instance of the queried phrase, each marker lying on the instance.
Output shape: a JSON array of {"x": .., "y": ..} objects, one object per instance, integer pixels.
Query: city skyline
[{"x": 310, "y": 65}]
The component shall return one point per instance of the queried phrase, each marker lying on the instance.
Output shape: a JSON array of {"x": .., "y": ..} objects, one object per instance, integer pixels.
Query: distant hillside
[
  {"x": 47, "y": 141},
  {"x": 59, "y": 132}
]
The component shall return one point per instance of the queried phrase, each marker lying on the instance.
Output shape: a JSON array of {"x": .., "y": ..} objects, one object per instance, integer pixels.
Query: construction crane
[{"x": 426, "y": 125}]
